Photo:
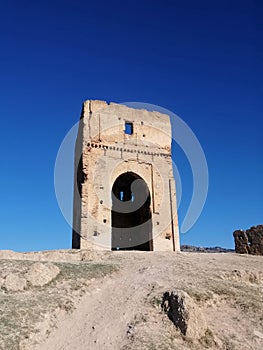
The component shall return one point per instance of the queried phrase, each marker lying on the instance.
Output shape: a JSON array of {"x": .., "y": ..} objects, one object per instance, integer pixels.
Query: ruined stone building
[
  {"x": 249, "y": 241},
  {"x": 124, "y": 189}
]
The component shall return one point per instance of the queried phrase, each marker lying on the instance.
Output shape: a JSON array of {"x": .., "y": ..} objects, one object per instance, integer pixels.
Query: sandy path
[{"x": 101, "y": 319}]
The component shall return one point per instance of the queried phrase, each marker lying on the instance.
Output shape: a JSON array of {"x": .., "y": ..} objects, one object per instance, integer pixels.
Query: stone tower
[{"x": 124, "y": 189}]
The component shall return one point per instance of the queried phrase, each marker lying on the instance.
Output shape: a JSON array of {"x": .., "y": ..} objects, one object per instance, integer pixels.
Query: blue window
[{"x": 128, "y": 128}]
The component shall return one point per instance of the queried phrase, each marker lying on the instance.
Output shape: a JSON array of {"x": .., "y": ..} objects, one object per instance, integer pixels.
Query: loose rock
[
  {"x": 40, "y": 274},
  {"x": 14, "y": 283}
]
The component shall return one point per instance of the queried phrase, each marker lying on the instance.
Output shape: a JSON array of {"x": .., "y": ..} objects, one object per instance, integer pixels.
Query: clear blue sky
[{"x": 200, "y": 59}]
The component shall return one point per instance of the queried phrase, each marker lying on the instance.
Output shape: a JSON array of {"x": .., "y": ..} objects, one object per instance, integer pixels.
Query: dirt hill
[{"x": 130, "y": 300}]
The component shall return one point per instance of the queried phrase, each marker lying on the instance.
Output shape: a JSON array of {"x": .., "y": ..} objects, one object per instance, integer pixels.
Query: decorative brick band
[{"x": 121, "y": 149}]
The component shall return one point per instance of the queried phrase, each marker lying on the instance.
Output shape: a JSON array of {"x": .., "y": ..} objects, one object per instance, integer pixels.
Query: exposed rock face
[
  {"x": 184, "y": 313},
  {"x": 40, "y": 274},
  {"x": 14, "y": 283},
  {"x": 249, "y": 241}
]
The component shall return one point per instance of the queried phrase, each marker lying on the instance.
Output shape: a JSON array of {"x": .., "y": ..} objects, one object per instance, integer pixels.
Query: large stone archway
[{"x": 131, "y": 215}]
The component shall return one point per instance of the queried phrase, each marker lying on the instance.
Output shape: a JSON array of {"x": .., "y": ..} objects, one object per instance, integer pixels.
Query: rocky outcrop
[
  {"x": 37, "y": 275},
  {"x": 249, "y": 241},
  {"x": 184, "y": 313},
  {"x": 13, "y": 283},
  {"x": 40, "y": 274}
]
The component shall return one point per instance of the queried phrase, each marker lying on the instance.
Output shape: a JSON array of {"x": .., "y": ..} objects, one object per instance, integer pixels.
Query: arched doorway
[{"x": 131, "y": 215}]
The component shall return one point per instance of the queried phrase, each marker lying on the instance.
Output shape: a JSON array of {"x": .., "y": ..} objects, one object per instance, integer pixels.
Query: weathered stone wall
[
  {"x": 249, "y": 241},
  {"x": 104, "y": 152}
]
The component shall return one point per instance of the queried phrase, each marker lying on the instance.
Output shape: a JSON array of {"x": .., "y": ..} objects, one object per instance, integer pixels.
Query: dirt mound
[{"x": 244, "y": 276}]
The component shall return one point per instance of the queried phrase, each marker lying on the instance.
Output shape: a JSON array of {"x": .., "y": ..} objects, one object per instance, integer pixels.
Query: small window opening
[{"x": 128, "y": 128}]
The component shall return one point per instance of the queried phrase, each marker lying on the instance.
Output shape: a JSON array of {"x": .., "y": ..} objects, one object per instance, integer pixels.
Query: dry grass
[
  {"x": 21, "y": 311},
  {"x": 226, "y": 287}
]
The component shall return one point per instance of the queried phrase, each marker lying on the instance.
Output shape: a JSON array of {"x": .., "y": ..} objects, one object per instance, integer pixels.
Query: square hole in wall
[{"x": 128, "y": 128}]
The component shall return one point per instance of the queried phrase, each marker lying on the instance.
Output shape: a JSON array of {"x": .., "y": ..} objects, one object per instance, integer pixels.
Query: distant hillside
[{"x": 191, "y": 248}]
